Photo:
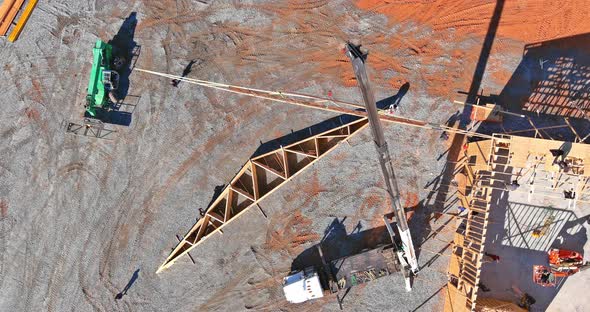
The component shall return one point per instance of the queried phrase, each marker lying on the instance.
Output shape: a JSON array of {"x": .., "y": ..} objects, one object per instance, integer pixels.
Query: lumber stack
[{"x": 8, "y": 13}]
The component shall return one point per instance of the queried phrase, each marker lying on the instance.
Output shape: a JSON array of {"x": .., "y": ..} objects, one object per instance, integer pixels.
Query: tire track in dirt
[
  {"x": 82, "y": 265},
  {"x": 66, "y": 256},
  {"x": 155, "y": 195},
  {"x": 220, "y": 297},
  {"x": 528, "y": 21},
  {"x": 158, "y": 194}
]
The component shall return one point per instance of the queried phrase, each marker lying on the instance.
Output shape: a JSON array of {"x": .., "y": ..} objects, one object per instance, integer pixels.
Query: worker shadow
[
  {"x": 187, "y": 70},
  {"x": 566, "y": 147},
  {"x": 337, "y": 243},
  {"x": 128, "y": 51},
  {"x": 134, "y": 277},
  {"x": 217, "y": 191},
  {"x": 394, "y": 100},
  {"x": 573, "y": 235}
]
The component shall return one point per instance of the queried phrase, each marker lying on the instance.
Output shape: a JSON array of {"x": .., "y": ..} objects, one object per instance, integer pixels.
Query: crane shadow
[{"x": 338, "y": 244}]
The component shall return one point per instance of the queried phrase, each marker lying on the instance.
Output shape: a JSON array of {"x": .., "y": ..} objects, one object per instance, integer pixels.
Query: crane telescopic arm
[{"x": 358, "y": 63}]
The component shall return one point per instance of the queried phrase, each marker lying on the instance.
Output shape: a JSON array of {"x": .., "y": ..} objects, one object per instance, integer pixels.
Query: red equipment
[
  {"x": 565, "y": 260},
  {"x": 562, "y": 263}
]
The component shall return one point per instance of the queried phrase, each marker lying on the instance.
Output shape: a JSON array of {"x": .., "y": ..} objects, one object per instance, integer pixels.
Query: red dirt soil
[
  {"x": 522, "y": 21},
  {"x": 290, "y": 233},
  {"x": 527, "y": 21}
]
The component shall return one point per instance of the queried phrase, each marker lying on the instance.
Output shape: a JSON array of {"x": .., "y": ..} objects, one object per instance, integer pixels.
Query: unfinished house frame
[
  {"x": 259, "y": 178},
  {"x": 489, "y": 167}
]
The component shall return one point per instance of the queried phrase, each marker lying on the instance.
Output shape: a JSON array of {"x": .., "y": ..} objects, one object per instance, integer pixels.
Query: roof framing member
[{"x": 259, "y": 178}]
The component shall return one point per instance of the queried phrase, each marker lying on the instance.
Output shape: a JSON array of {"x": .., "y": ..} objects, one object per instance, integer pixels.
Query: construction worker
[
  {"x": 512, "y": 186},
  {"x": 488, "y": 257},
  {"x": 392, "y": 109},
  {"x": 569, "y": 194},
  {"x": 562, "y": 165}
]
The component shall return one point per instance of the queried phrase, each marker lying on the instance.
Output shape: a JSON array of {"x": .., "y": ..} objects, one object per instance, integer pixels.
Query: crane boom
[{"x": 358, "y": 64}]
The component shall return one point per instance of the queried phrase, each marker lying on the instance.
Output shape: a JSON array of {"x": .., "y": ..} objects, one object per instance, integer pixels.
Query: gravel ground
[{"x": 79, "y": 215}]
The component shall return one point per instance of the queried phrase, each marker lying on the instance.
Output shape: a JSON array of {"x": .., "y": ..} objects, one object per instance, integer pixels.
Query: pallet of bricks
[{"x": 14, "y": 14}]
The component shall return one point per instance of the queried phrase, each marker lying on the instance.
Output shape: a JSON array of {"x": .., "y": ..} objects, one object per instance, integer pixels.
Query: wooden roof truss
[{"x": 258, "y": 178}]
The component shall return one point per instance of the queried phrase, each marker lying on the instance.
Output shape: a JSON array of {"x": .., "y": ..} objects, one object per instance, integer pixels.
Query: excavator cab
[
  {"x": 104, "y": 80},
  {"x": 110, "y": 79}
]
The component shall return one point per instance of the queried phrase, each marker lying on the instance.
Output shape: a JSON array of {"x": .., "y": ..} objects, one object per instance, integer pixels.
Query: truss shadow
[
  {"x": 298, "y": 135},
  {"x": 552, "y": 77},
  {"x": 552, "y": 81}
]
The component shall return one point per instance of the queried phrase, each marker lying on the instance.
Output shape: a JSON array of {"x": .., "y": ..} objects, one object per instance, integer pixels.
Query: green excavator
[{"x": 104, "y": 79}]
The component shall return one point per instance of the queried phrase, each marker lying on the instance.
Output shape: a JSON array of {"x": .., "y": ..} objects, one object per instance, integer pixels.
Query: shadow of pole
[
  {"x": 485, "y": 52},
  {"x": 428, "y": 299}
]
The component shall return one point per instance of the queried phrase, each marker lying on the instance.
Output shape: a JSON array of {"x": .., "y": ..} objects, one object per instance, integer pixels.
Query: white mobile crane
[{"x": 311, "y": 283}]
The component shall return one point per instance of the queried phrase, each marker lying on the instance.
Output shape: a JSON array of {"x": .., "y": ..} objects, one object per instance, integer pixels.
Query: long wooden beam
[
  {"x": 316, "y": 103},
  {"x": 22, "y": 20},
  {"x": 259, "y": 178},
  {"x": 8, "y": 12}
]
